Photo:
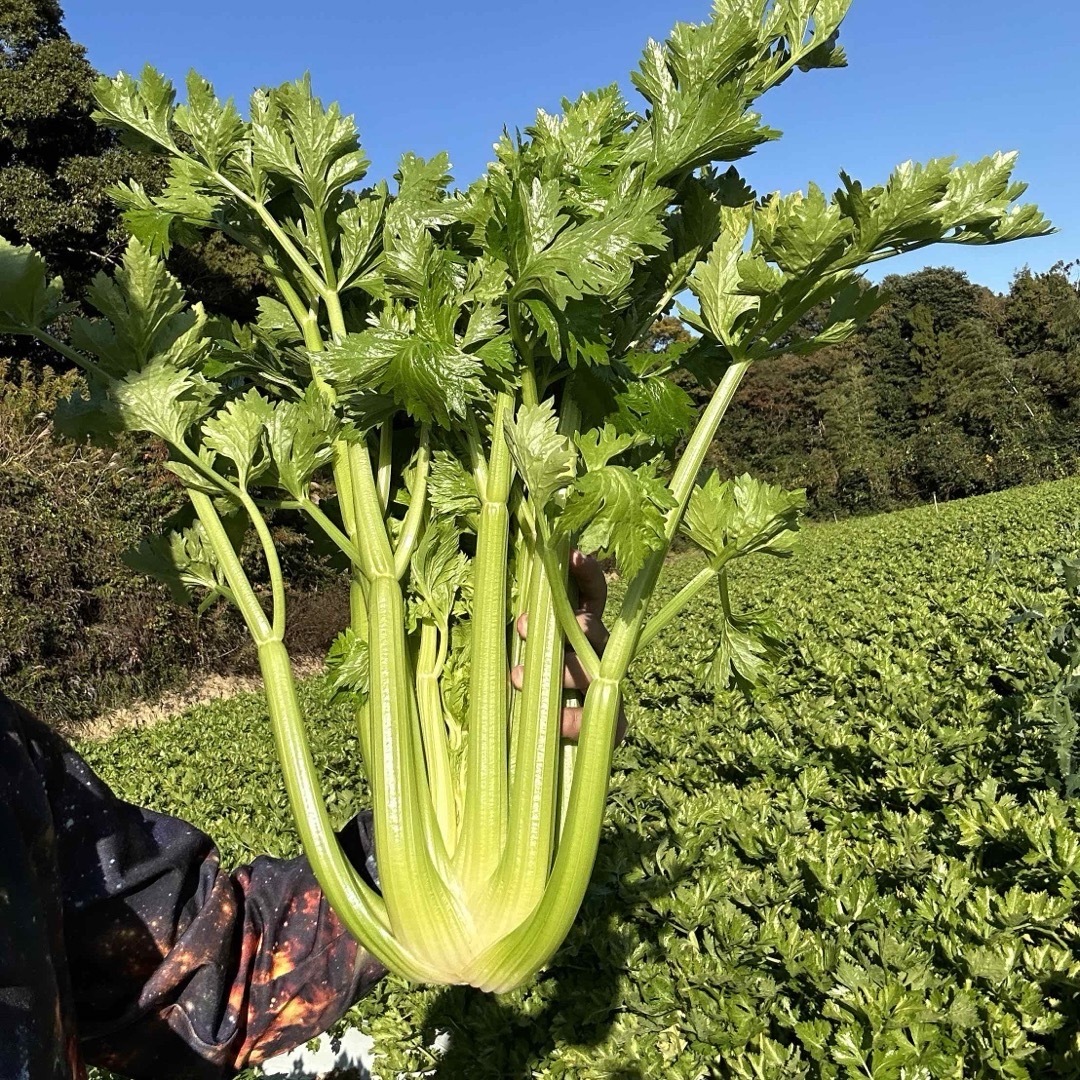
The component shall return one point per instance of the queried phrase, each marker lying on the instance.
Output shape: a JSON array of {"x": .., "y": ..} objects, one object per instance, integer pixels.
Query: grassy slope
[{"x": 867, "y": 871}]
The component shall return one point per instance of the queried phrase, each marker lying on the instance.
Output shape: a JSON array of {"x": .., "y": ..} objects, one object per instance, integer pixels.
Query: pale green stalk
[
  {"x": 296, "y": 256},
  {"x": 386, "y": 462},
  {"x": 686, "y": 473},
  {"x": 522, "y": 544},
  {"x": 227, "y": 487},
  {"x": 325, "y": 289},
  {"x": 535, "y": 756},
  {"x": 359, "y": 469},
  {"x": 483, "y": 825},
  {"x": 273, "y": 564},
  {"x": 676, "y": 604},
  {"x": 526, "y": 564},
  {"x": 335, "y": 315},
  {"x": 299, "y": 310},
  {"x": 67, "y": 351},
  {"x": 567, "y": 761},
  {"x": 409, "y": 536},
  {"x": 560, "y": 598},
  {"x": 342, "y": 467},
  {"x": 523, "y": 870},
  {"x": 433, "y": 733},
  {"x": 325, "y": 253},
  {"x": 246, "y": 600},
  {"x": 423, "y": 911},
  {"x": 528, "y": 947},
  {"x": 361, "y": 909},
  {"x": 344, "y": 544}
]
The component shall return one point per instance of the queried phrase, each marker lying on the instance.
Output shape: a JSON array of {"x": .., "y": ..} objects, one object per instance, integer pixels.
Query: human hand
[{"x": 592, "y": 598}]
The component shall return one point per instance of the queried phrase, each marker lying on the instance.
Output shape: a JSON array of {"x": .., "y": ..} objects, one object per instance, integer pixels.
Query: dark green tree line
[
  {"x": 951, "y": 390},
  {"x": 57, "y": 166}
]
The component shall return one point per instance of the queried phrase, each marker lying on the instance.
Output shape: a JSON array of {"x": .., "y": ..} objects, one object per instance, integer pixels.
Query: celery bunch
[{"x": 458, "y": 368}]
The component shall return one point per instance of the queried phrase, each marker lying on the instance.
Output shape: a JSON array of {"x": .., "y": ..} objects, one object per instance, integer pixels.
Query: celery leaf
[
  {"x": 427, "y": 375},
  {"x": 743, "y": 516},
  {"x": 717, "y": 282},
  {"x": 347, "y": 665},
  {"x": 29, "y": 299},
  {"x": 746, "y": 648},
  {"x": 439, "y": 569},
  {"x": 140, "y": 109},
  {"x": 216, "y": 130},
  {"x": 161, "y": 399},
  {"x": 617, "y": 511},
  {"x": 451, "y": 487},
  {"x": 600, "y": 445},
  {"x": 545, "y": 459},
  {"x": 237, "y": 432},
  {"x": 145, "y": 316},
  {"x": 300, "y": 436}
]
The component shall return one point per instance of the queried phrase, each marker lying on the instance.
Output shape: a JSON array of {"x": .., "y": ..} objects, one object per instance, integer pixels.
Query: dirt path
[{"x": 201, "y": 689}]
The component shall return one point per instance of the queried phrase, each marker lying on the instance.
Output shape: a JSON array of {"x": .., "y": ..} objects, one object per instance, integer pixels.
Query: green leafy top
[
  {"x": 29, "y": 299},
  {"x": 411, "y": 307}
]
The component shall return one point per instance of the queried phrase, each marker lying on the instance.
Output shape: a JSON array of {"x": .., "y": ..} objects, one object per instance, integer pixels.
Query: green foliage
[
  {"x": 57, "y": 164},
  {"x": 947, "y": 391},
  {"x": 545, "y": 459},
  {"x": 58, "y": 167},
  {"x": 616, "y": 511},
  {"x": 79, "y": 631},
  {"x": 1045, "y": 696},
  {"x": 741, "y": 516},
  {"x": 872, "y": 870},
  {"x": 27, "y": 296},
  {"x": 82, "y": 630},
  {"x": 188, "y": 764}
]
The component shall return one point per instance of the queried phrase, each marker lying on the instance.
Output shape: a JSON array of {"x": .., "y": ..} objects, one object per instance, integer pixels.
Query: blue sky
[{"x": 926, "y": 78}]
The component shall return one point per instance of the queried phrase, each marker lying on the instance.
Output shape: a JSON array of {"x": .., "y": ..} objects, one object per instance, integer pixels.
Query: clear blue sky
[{"x": 926, "y": 78}]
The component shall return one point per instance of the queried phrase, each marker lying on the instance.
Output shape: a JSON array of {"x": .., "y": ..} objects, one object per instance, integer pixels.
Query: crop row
[{"x": 868, "y": 871}]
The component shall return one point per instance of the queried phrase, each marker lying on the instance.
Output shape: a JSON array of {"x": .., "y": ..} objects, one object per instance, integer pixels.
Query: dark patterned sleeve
[{"x": 179, "y": 969}]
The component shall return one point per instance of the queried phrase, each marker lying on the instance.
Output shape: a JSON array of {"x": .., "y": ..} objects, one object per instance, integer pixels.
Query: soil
[{"x": 202, "y": 688}]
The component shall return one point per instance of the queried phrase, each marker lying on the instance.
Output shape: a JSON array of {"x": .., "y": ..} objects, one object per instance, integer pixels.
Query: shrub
[{"x": 79, "y": 631}]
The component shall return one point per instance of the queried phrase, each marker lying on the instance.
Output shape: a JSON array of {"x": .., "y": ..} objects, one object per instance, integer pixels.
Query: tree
[
  {"x": 1041, "y": 325},
  {"x": 950, "y": 391},
  {"x": 850, "y": 432},
  {"x": 902, "y": 337},
  {"x": 663, "y": 334},
  {"x": 57, "y": 166},
  {"x": 1042, "y": 311}
]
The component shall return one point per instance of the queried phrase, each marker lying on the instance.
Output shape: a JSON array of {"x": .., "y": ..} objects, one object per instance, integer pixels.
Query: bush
[{"x": 79, "y": 631}]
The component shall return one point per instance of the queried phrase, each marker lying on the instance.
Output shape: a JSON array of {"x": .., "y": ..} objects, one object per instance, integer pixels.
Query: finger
[
  {"x": 595, "y": 631},
  {"x": 574, "y": 676},
  {"x": 571, "y": 724},
  {"x": 571, "y": 721},
  {"x": 591, "y": 624},
  {"x": 590, "y": 581}
]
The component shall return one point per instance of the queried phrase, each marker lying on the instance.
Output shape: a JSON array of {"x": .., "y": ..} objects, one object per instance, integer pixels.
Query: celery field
[{"x": 870, "y": 871}]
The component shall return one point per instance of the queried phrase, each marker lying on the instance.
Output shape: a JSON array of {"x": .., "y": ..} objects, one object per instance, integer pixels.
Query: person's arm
[{"x": 177, "y": 968}]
